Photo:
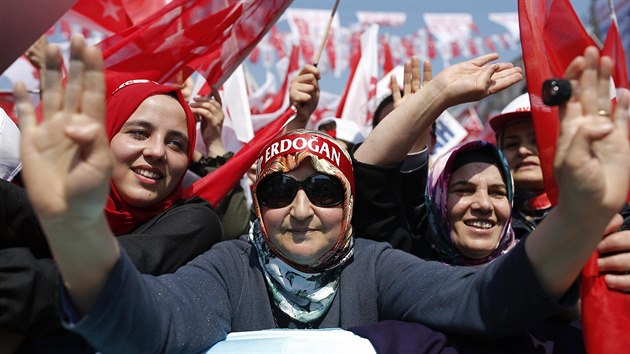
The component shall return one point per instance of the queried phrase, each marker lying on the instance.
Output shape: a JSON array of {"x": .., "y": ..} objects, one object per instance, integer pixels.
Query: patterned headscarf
[
  {"x": 304, "y": 292},
  {"x": 122, "y": 216},
  {"x": 437, "y": 199}
]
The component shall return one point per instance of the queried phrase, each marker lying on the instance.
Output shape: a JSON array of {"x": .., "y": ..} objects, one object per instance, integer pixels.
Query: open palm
[{"x": 69, "y": 145}]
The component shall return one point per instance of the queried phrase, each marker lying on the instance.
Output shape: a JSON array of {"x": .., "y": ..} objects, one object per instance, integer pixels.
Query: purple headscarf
[{"x": 437, "y": 197}]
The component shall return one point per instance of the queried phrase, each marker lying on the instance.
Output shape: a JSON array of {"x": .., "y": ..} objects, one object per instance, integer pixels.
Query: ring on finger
[{"x": 603, "y": 113}]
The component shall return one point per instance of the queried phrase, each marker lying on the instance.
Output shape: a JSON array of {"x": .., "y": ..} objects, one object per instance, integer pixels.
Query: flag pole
[
  {"x": 613, "y": 15},
  {"x": 321, "y": 46}
]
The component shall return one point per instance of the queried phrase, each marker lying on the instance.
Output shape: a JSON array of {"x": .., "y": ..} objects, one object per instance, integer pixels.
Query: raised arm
[
  {"x": 67, "y": 166},
  {"x": 411, "y": 84},
  {"x": 592, "y": 167},
  {"x": 472, "y": 80},
  {"x": 304, "y": 95}
]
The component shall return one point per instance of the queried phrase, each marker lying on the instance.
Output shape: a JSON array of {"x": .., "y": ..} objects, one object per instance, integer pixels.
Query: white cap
[{"x": 519, "y": 108}]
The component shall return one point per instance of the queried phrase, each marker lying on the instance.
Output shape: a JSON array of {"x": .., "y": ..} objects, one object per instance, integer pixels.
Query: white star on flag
[
  {"x": 111, "y": 10},
  {"x": 176, "y": 40}
]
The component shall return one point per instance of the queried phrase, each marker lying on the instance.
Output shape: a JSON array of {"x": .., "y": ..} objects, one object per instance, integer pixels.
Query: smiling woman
[{"x": 469, "y": 196}]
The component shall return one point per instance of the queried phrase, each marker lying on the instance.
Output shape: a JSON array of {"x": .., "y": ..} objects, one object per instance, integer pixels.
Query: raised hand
[
  {"x": 475, "y": 79},
  {"x": 208, "y": 111},
  {"x": 411, "y": 80},
  {"x": 592, "y": 163},
  {"x": 67, "y": 162},
  {"x": 304, "y": 95},
  {"x": 66, "y": 169}
]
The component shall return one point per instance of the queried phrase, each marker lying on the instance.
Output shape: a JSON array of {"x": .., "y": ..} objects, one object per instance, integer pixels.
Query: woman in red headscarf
[{"x": 151, "y": 132}]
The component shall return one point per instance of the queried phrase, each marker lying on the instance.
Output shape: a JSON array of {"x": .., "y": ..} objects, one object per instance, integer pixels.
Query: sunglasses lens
[
  {"x": 277, "y": 191},
  {"x": 324, "y": 190}
]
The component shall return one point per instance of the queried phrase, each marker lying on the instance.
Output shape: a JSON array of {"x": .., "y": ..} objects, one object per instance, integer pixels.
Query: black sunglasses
[{"x": 278, "y": 190}]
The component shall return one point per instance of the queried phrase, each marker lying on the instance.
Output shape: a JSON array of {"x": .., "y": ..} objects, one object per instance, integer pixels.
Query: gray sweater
[{"x": 224, "y": 291}]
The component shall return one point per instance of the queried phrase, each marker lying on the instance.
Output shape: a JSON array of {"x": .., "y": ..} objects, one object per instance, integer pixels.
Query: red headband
[{"x": 314, "y": 142}]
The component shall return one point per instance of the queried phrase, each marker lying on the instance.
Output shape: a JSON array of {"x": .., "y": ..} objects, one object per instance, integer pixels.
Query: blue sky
[{"x": 414, "y": 10}]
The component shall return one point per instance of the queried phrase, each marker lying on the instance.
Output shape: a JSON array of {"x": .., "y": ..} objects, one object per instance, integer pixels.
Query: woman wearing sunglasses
[{"x": 301, "y": 267}]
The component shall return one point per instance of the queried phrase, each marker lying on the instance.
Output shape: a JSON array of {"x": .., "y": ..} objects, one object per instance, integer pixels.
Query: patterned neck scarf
[
  {"x": 304, "y": 297},
  {"x": 437, "y": 198}
]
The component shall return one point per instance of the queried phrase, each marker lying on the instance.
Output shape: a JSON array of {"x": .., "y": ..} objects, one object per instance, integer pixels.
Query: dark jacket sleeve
[
  {"x": 173, "y": 238},
  {"x": 19, "y": 226},
  {"x": 28, "y": 289},
  {"x": 233, "y": 210},
  {"x": 389, "y": 206},
  {"x": 482, "y": 301},
  {"x": 28, "y": 284}
]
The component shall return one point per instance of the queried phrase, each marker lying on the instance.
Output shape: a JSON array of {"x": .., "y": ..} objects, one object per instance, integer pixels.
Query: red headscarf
[{"x": 123, "y": 217}]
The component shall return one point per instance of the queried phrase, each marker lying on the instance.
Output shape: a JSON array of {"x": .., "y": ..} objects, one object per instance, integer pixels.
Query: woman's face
[
  {"x": 151, "y": 151},
  {"x": 520, "y": 150},
  {"x": 478, "y": 208},
  {"x": 302, "y": 231}
]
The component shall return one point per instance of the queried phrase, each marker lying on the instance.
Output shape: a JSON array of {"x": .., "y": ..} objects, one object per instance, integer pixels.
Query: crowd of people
[{"x": 99, "y": 251}]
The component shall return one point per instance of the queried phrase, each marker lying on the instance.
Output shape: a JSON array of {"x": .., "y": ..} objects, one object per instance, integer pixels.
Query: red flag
[
  {"x": 212, "y": 37},
  {"x": 277, "y": 40},
  {"x": 279, "y": 98},
  {"x": 215, "y": 186},
  {"x": 388, "y": 63},
  {"x": 139, "y": 10},
  {"x": 355, "y": 57},
  {"x": 613, "y": 47},
  {"x": 551, "y": 36},
  {"x": 605, "y": 313},
  {"x": 109, "y": 15}
]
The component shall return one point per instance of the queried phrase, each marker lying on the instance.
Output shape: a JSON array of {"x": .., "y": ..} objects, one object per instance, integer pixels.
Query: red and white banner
[
  {"x": 448, "y": 27},
  {"x": 362, "y": 89},
  {"x": 238, "y": 118},
  {"x": 308, "y": 27},
  {"x": 383, "y": 19},
  {"x": 509, "y": 20},
  {"x": 279, "y": 101}
]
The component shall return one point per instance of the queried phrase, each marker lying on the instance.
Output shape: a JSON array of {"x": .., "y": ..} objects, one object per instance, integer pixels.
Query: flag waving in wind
[{"x": 212, "y": 37}]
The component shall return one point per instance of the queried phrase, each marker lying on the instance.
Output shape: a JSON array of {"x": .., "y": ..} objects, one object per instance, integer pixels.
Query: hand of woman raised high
[
  {"x": 475, "y": 79},
  {"x": 66, "y": 169},
  {"x": 592, "y": 162},
  {"x": 67, "y": 162}
]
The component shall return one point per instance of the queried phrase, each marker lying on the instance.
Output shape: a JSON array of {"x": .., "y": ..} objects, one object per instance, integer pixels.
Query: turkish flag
[
  {"x": 107, "y": 15},
  {"x": 613, "y": 47},
  {"x": 212, "y": 37}
]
